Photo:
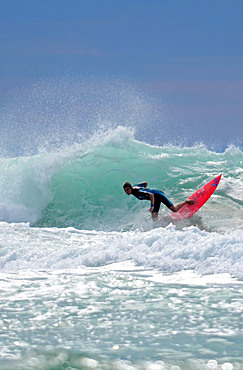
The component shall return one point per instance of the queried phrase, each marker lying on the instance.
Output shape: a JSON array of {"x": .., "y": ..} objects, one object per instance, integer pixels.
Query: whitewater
[{"x": 89, "y": 281}]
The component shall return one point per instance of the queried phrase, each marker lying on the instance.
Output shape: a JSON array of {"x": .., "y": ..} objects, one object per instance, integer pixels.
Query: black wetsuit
[{"x": 140, "y": 192}]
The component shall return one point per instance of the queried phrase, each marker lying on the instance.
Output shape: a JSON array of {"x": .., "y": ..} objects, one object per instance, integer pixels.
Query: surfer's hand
[{"x": 151, "y": 209}]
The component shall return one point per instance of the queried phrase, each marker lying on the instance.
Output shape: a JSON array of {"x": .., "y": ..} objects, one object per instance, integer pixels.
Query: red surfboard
[{"x": 200, "y": 197}]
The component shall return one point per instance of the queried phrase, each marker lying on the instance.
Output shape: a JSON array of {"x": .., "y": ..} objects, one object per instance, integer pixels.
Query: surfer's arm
[
  {"x": 151, "y": 196},
  {"x": 142, "y": 184}
]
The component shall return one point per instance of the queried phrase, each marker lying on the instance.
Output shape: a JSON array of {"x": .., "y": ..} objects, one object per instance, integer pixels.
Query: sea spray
[{"x": 58, "y": 113}]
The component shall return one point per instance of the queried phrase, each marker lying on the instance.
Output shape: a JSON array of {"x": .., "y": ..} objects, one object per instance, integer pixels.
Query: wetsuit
[{"x": 140, "y": 192}]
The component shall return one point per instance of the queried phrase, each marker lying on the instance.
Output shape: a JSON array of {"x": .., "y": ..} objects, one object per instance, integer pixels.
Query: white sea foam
[{"x": 167, "y": 249}]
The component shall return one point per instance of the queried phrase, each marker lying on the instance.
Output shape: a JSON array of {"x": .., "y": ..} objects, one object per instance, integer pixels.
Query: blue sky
[{"x": 187, "y": 54}]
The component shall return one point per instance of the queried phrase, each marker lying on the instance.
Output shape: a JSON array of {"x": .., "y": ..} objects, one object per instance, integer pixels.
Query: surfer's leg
[
  {"x": 155, "y": 212},
  {"x": 176, "y": 208},
  {"x": 162, "y": 198}
]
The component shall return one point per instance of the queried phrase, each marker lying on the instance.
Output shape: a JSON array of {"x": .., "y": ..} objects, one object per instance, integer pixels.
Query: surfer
[{"x": 155, "y": 196}]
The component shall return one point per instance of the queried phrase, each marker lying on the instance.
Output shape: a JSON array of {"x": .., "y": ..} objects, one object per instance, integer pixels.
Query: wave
[{"x": 81, "y": 185}]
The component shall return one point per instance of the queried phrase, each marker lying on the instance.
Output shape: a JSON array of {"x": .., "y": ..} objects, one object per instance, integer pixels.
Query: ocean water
[{"x": 89, "y": 281}]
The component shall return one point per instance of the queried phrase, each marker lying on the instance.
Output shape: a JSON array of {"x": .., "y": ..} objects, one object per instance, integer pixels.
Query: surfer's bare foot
[
  {"x": 190, "y": 201},
  {"x": 176, "y": 208}
]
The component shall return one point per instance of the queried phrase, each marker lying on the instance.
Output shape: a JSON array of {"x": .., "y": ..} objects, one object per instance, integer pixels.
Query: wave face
[{"x": 82, "y": 186}]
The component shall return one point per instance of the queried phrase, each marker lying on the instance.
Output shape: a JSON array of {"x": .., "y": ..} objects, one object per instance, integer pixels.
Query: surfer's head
[{"x": 127, "y": 188}]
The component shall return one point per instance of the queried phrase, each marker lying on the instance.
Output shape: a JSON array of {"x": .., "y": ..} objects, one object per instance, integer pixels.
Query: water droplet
[
  {"x": 115, "y": 347},
  {"x": 89, "y": 363},
  {"x": 212, "y": 364},
  {"x": 227, "y": 366}
]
